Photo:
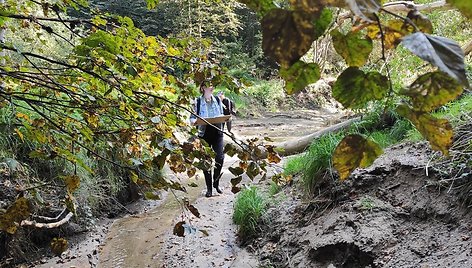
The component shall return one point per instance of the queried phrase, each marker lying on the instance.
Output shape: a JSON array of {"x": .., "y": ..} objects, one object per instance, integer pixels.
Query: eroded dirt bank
[{"x": 390, "y": 215}]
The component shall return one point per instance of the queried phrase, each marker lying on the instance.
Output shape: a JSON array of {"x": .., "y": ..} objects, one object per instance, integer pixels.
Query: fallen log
[{"x": 299, "y": 144}]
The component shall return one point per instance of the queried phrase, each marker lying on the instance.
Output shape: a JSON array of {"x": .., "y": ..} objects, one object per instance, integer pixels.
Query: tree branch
[{"x": 47, "y": 225}]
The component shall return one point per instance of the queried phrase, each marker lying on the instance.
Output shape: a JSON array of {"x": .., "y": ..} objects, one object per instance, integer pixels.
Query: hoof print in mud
[{"x": 341, "y": 255}]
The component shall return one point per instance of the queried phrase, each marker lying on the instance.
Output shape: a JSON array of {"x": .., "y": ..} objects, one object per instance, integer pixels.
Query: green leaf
[
  {"x": 465, "y": 6},
  {"x": 151, "y": 4},
  {"x": 134, "y": 177},
  {"x": 322, "y": 23},
  {"x": 442, "y": 52},
  {"x": 354, "y": 88},
  {"x": 437, "y": 131},
  {"x": 352, "y": 152},
  {"x": 354, "y": 49},
  {"x": 433, "y": 90},
  {"x": 151, "y": 195},
  {"x": 300, "y": 75},
  {"x": 262, "y": 7},
  {"x": 236, "y": 170},
  {"x": 286, "y": 35}
]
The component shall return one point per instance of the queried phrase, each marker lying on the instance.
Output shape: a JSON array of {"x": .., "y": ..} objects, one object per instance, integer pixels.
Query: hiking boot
[{"x": 209, "y": 194}]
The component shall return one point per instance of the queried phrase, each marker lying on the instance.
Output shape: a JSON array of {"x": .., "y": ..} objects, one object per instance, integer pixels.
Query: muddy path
[{"x": 145, "y": 239}]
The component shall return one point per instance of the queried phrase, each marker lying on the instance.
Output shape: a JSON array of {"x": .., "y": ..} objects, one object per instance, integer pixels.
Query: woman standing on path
[{"x": 208, "y": 105}]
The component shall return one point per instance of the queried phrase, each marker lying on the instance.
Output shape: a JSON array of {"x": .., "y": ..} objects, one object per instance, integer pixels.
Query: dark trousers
[
  {"x": 228, "y": 125},
  {"x": 214, "y": 138}
]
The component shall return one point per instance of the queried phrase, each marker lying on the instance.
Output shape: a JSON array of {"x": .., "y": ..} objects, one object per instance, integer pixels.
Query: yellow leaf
[
  {"x": 352, "y": 152},
  {"x": 18, "y": 212},
  {"x": 437, "y": 131},
  {"x": 72, "y": 182}
]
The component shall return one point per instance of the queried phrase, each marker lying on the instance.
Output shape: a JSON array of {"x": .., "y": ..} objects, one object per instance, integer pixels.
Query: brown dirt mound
[{"x": 389, "y": 215}]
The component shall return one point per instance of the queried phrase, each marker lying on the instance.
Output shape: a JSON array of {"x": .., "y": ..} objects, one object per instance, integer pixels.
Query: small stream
[{"x": 146, "y": 240}]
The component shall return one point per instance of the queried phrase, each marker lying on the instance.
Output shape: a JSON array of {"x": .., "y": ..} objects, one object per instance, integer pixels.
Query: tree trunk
[{"x": 299, "y": 144}]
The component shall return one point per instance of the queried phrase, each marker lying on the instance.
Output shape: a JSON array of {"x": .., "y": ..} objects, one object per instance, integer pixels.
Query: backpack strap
[
  {"x": 199, "y": 100},
  {"x": 198, "y": 106}
]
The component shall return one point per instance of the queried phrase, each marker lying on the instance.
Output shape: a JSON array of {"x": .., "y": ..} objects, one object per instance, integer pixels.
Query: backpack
[{"x": 199, "y": 100}]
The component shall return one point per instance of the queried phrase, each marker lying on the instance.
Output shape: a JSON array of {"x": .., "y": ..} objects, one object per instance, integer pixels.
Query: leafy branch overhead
[{"x": 289, "y": 33}]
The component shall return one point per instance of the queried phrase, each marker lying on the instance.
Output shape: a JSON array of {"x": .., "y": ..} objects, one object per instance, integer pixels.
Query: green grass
[
  {"x": 315, "y": 162},
  {"x": 249, "y": 207},
  {"x": 274, "y": 189}
]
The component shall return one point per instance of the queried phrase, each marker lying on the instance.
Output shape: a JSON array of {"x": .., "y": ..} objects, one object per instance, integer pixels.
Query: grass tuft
[{"x": 248, "y": 209}]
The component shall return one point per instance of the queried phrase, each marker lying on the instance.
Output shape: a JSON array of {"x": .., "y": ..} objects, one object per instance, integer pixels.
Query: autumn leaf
[
  {"x": 179, "y": 229},
  {"x": 15, "y": 214},
  {"x": 354, "y": 88},
  {"x": 59, "y": 245},
  {"x": 438, "y": 132},
  {"x": 432, "y": 90},
  {"x": 393, "y": 31},
  {"x": 421, "y": 21},
  {"x": 352, "y": 152},
  {"x": 236, "y": 170},
  {"x": 72, "y": 182},
  {"x": 299, "y": 75},
  {"x": 286, "y": 35},
  {"x": 354, "y": 49},
  {"x": 192, "y": 209}
]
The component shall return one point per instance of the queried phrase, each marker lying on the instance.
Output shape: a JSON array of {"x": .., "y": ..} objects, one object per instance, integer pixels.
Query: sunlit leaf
[
  {"x": 286, "y": 35},
  {"x": 322, "y": 23},
  {"x": 442, "y": 52},
  {"x": 465, "y": 6},
  {"x": 300, "y": 75},
  {"x": 352, "y": 152},
  {"x": 393, "y": 32},
  {"x": 433, "y": 90},
  {"x": 354, "y": 88},
  {"x": 151, "y": 4},
  {"x": 437, "y": 131},
  {"x": 354, "y": 49},
  {"x": 15, "y": 214}
]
